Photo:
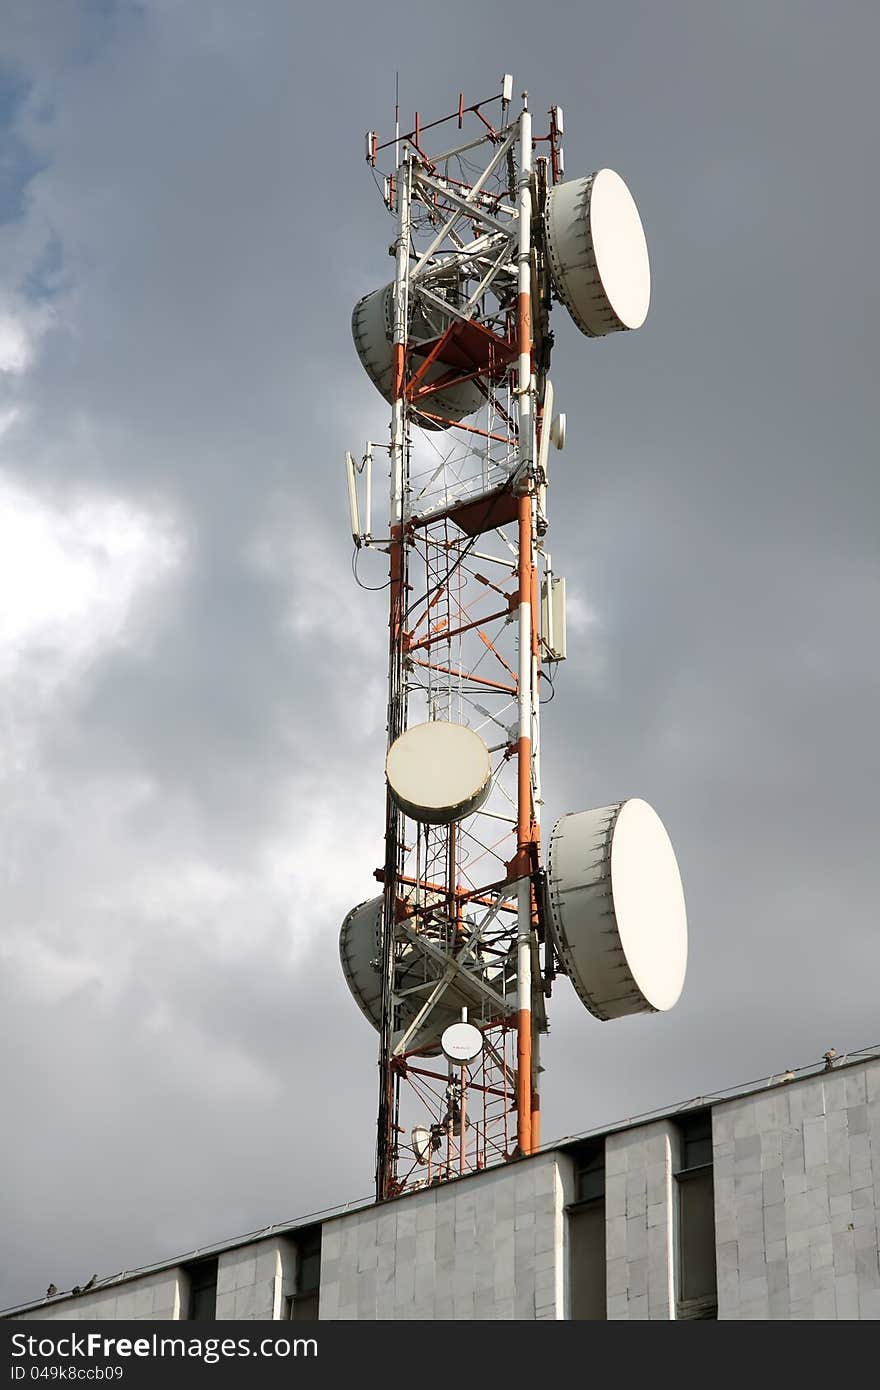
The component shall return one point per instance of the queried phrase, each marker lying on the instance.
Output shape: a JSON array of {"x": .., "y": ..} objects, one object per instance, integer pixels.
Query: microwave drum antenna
[
  {"x": 359, "y": 953},
  {"x": 438, "y": 772},
  {"x": 598, "y": 253},
  {"x": 617, "y": 909},
  {"x": 372, "y": 327}
]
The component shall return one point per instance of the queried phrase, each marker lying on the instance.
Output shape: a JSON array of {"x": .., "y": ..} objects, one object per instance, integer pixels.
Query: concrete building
[{"x": 763, "y": 1203}]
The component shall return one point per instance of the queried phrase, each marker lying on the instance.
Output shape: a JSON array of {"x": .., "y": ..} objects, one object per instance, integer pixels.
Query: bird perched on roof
[
  {"x": 91, "y": 1284},
  {"x": 51, "y": 1291},
  {"x": 787, "y": 1075},
  {"x": 831, "y": 1057},
  {"x": 76, "y": 1289}
]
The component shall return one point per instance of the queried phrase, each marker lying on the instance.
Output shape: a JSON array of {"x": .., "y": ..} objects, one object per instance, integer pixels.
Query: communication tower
[{"x": 454, "y": 958}]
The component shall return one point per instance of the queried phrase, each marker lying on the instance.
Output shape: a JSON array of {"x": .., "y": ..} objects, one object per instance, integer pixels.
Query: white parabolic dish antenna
[
  {"x": 438, "y": 772},
  {"x": 461, "y": 1042},
  {"x": 617, "y": 909},
  {"x": 360, "y": 952},
  {"x": 421, "y": 1144},
  {"x": 372, "y": 327},
  {"x": 598, "y": 253}
]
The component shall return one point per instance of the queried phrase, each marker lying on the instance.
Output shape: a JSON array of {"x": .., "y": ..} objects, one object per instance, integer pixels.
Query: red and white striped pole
[
  {"x": 386, "y": 1139},
  {"x": 525, "y": 397}
]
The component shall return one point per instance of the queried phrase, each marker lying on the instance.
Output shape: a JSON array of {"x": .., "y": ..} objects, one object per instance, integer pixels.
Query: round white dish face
[
  {"x": 461, "y": 1043},
  {"x": 618, "y": 909},
  {"x": 438, "y": 772},
  {"x": 598, "y": 253}
]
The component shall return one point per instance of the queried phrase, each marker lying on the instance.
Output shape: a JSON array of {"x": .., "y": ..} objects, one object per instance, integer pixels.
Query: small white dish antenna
[
  {"x": 421, "y": 1144},
  {"x": 598, "y": 253},
  {"x": 461, "y": 1043},
  {"x": 439, "y": 772}
]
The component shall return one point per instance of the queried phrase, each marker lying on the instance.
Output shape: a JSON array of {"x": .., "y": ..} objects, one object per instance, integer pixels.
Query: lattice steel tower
[{"x": 454, "y": 960}]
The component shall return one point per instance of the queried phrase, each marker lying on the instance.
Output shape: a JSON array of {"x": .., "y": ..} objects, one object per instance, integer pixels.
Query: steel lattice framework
[{"x": 462, "y": 916}]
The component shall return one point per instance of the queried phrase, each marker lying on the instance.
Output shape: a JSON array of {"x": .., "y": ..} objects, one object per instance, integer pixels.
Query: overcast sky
[{"x": 193, "y": 686}]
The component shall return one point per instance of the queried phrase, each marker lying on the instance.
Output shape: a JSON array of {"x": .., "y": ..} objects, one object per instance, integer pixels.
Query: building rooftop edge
[{"x": 282, "y": 1228}]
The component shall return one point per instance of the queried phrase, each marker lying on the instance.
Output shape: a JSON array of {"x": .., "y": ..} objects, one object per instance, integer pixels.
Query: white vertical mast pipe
[
  {"x": 386, "y": 1141},
  {"x": 401, "y": 309}
]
